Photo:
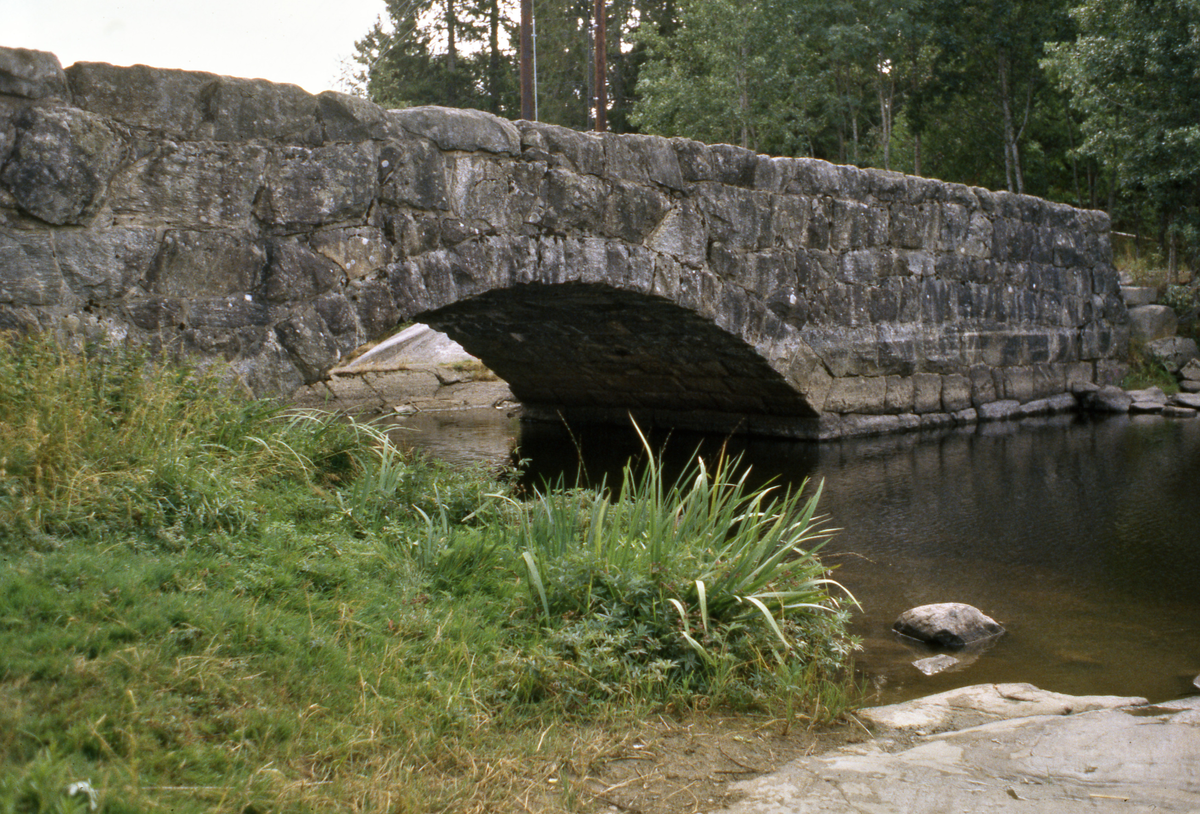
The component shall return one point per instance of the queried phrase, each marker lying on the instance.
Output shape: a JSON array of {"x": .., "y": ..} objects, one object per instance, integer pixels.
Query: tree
[
  {"x": 991, "y": 50},
  {"x": 445, "y": 52},
  {"x": 1134, "y": 74},
  {"x": 759, "y": 73},
  {"x": 697, "y": 80}
]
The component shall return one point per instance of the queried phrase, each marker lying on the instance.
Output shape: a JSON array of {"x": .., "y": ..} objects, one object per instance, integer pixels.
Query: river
[{"x": 1081, "y": 536}]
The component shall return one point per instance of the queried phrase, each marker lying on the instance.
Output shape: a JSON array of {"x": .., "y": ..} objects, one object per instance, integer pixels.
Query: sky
[{"x": 304, "y": 42}]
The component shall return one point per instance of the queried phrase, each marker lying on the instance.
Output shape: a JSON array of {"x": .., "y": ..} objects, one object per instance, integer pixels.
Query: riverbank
[{"x": 213, "y": 604}]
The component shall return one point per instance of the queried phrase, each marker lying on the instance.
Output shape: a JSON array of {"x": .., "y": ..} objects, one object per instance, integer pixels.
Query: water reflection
[{"x": 1082, "y": 537}]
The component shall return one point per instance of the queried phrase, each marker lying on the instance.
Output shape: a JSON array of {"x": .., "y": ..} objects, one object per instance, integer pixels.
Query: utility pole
[
  {"x": 527, "y": 91},
  {"x": 601, "y": 53}
]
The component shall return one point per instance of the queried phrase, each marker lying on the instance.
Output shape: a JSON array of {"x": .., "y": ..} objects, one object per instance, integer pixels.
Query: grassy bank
[{"x": 215, "y": 604}]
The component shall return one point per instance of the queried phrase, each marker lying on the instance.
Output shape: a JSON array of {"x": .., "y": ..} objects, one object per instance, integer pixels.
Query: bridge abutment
[{"x": 694, "y": 285}]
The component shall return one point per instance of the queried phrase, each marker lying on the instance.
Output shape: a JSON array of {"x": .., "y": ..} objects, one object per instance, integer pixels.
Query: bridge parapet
[{"x": 691, "y": 284}]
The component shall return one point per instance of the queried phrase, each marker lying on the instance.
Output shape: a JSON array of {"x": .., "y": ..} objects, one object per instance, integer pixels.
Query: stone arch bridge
[{"x": 694, "y": 285}]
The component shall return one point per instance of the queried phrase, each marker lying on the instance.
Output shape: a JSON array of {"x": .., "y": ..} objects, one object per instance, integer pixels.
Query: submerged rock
[
  {"x": 936, "y": 664},
  {"x": 982, "y": 703},
  {"x": 949, "y": 624},
  {"x": 1176, "y": 411}
]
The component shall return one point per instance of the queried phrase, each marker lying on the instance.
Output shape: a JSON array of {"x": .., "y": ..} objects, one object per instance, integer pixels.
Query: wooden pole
[
  {"x": 527, "y": 105},
  {"x": 601, "y": 52}
]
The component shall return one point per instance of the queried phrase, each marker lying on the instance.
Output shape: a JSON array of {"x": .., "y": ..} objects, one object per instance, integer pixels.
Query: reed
[{"x": 710, "y": 586}]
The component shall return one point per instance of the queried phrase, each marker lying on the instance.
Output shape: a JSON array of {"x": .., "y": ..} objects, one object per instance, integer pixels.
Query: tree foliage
[{"x": 1133, "y": 73}]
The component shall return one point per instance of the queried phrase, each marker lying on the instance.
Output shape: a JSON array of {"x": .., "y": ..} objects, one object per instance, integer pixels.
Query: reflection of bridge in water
[{"x": 692, "y": 285}]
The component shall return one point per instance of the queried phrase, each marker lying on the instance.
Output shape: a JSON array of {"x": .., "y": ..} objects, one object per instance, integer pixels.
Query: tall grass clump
[
  {"x": 111, "y": 439},
  {"x": 701, "y": 586}
]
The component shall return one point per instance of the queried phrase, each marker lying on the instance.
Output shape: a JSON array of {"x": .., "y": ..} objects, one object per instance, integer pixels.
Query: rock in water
[
  {"x": 936, "y": 664},
  {"x": 1108, "y": 399},
  {"x": 949, "y": 624}
]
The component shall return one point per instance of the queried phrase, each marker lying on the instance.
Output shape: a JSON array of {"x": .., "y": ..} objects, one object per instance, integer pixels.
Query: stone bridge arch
[
  {"x": 593, "y": 351},
  {"x": 695, "y": 285}
]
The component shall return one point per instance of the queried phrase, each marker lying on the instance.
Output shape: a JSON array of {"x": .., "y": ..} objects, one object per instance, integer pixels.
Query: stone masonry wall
[{"x": 215, "y": 217}]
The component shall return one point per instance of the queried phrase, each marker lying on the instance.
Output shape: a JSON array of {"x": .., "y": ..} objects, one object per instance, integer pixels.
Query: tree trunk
[
  {"x": 494, "y": 56},
  {"x": 601, "y": 66},
  {"x": 451, "y": 45},
  {"x": 743, "y": 98},
  {"x": 887, "y": 91},
  {"x": 1012, "y": 154},
  {"x": 527, "y": 103}
]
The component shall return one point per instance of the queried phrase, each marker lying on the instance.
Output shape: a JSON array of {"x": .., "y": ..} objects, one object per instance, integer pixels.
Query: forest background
[{"x": 1094, "y": 104}]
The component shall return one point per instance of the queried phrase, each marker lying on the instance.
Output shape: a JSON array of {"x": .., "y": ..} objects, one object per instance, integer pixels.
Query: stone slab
[
  {"x": 1113, "y": 758},
  {"x": 417, "y": 344},
  {"x": 1137, "y": 295}
]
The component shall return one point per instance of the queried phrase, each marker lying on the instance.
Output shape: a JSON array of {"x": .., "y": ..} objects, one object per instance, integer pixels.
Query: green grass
[{"x": 214, "y": 604}]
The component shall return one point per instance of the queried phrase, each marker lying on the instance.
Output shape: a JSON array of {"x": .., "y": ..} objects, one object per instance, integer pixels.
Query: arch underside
[{"x": 590, "y": 352}]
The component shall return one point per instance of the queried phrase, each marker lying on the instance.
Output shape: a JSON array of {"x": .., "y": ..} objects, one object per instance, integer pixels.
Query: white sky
[{"x": 304, "y": 42}]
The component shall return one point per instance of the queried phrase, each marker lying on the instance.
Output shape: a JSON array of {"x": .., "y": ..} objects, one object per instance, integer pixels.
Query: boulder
[
  {"x": 1175, "y": 411},
  {"x": 1107, "y": 399},
  {"x": 457, "y": 129},
  {"x": 1151, "y": 394},
  {"x": 165, "y": 101},
  {"x": 1173, "y": 352},
  {"x": 1191, "y": 370},
  {"x": 948, "y": 624},
  {"x": 999, "y": 410},
  {"x": 1150, "y": 322},
  {"x": 936, "y": 664}
]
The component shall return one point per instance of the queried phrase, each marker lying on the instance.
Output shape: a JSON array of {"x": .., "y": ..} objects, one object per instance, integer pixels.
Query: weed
[{"x": 1145, "y": 371}]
